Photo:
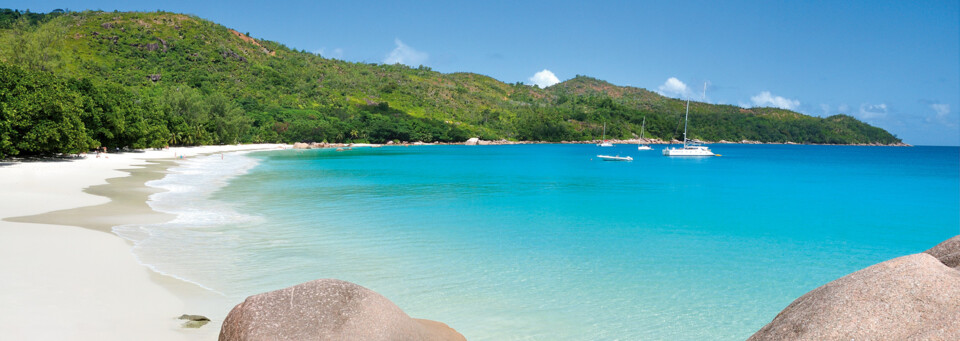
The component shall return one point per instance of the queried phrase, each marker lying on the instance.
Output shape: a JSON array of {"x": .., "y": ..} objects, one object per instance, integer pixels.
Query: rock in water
[
  {"x": 193, "y": 317},
  {"x": 194, "y": 321},
  {"x": 914, "y": 297},
  {"x": 327, "y": 309},
  {"x": 473, "y": 141}
]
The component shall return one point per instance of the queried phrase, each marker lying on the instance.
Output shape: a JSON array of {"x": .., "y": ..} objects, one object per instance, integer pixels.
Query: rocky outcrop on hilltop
[
  {"x": 327, "y": 309},
  {"x": 915, "y": 297}
]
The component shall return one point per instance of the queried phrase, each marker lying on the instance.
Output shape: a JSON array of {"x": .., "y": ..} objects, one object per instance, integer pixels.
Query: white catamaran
[
  {"x": 689, "y": 149},
  {"x": 640, "y": 145}
]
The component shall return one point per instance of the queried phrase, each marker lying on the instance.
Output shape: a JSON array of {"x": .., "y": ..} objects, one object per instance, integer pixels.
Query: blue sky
[{"x": 892, "y": 64}]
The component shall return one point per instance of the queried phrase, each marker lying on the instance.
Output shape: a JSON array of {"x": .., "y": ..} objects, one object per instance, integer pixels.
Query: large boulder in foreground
[
  {"x": 914, "y": 297},
  {"x": 327, "y": 309}
]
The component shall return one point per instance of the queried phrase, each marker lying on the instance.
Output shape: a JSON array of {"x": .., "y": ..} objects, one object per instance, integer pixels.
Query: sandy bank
[{"x": 63, "y": 282}]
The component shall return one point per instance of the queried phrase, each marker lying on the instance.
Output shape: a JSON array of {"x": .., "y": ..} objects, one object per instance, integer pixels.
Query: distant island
[{"x": 75, "y": 81}]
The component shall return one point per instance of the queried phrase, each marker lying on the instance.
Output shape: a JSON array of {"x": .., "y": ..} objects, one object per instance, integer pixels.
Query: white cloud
[
  {"x": 404, "y": 54},
  {"x": 544, "y": 78},
  {"x": 843, "y": 109},
  {"x": 673, "y": 87},
  {"x": 942, "y": 110},
  {"x": 943, "y": 115},
  {"x": 337, "y": 53},
  {"x": 766, "y": 99},
  {"x": 873, "y": 111},
  {"x": 826, "y": 109}
]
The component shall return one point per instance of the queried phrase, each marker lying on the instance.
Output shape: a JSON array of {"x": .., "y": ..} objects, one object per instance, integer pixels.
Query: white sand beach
[{"x": 60, "y": 282}]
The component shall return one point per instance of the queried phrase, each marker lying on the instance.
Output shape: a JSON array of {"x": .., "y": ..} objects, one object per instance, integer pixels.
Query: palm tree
[{"x": 199, "y": 133}]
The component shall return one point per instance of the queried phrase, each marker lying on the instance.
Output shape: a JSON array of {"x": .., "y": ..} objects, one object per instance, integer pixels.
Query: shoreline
[
  {"x": 88, "y": 281},
  {"x": 315, "y": 145}
]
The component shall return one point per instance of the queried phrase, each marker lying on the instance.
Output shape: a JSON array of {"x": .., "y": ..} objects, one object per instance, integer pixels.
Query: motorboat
[{"x": 615, "y": 158}]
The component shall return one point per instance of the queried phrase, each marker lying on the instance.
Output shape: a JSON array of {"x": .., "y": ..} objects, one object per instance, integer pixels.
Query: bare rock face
[
  {"x": 164, "y": 42},
  {"x": 915, "y": 297},
  {"x": 327, "y": 309},
  {"x": 947, "y": 252},
  {"x": 473, "y": 141},
  {"x": 230, "y": 54}
]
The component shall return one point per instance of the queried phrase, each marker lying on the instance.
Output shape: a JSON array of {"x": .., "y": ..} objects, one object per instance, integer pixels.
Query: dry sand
[{"x": 61, "y": 282}]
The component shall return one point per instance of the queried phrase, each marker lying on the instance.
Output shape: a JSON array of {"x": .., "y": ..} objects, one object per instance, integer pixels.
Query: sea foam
[{"x": 186, "y": 246}]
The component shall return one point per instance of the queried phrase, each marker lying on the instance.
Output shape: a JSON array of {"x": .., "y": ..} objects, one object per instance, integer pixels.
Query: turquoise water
[{"x": 545, "y": 242}]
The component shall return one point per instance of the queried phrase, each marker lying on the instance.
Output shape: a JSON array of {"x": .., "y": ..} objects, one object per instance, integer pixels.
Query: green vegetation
[{"x": 71, "y": 81}]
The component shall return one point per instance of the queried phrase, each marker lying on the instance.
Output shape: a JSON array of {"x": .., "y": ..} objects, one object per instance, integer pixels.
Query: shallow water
[{"x": 545, "y": 242}]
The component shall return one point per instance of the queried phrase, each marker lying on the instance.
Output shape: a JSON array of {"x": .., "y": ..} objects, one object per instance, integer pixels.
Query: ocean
[{"x": 547, "y": 242}]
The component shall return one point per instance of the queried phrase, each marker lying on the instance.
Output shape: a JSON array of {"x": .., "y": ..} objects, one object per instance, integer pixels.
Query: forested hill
[{"x": 71, "y": 81}]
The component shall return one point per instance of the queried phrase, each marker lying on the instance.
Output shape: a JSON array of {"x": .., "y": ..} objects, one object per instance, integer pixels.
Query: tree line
[{"x": 43, "y": 114}]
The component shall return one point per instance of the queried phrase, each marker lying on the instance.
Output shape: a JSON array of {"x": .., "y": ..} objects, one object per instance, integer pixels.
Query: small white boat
[
  {"x": 615, "y": 158},
  {"x": 603, "y": 138},
  {"x": 640, "y": 145},
  {"x": 691, "y": 149}
]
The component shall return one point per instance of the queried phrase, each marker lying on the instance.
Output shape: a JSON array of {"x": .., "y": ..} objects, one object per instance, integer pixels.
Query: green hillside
[{"x": 77, "y": 80}]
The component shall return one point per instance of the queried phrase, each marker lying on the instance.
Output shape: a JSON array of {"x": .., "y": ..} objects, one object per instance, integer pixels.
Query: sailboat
[
  {"x": 640, "y": 145},
  {"x": 603, "y": 139},
  {"x": 689, "y": 149}
]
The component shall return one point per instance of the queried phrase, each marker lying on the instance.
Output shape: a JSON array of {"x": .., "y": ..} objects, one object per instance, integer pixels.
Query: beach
[{"x": 61, "y": 281}]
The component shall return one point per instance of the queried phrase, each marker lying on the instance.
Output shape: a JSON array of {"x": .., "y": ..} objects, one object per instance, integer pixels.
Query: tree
[
  {"x": 186, "y": 114},
  {"x": 228, "y": 120},
  {"x": 34, "y": 47},
  {"x": 40, "y": 114}
]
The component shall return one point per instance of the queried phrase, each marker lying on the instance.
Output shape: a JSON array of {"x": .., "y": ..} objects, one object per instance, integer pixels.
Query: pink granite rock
[
  {"x": 327, "y": 309},
  {"x": 915, "y": 297},
  {"x": 947, "y": 252}
]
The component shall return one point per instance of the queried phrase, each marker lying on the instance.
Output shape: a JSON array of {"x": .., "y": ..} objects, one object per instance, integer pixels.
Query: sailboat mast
[
  {"x": 643, "y": 125},
  {"x": 687, "y": 116}
]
